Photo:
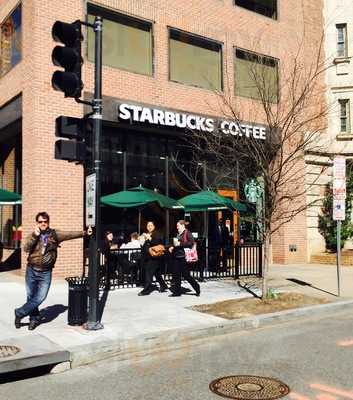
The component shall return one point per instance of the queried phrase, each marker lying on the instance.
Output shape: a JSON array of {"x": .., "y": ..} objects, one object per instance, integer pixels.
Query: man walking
[{"x": 41, "y": 246}]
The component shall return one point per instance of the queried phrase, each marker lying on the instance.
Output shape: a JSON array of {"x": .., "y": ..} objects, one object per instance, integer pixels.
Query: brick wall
[{"x": 56, "y": 186}]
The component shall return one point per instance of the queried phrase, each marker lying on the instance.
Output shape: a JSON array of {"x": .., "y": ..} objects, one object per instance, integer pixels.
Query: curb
[{"x": 158, "y": 342}]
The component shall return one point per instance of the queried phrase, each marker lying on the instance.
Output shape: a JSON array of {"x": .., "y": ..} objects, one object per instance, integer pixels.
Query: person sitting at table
[
  {"x": 133, "y": 244},
  {"x": 130, "y": 256}
]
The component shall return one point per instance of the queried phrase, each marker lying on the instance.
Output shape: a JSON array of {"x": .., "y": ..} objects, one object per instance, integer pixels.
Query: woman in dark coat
[
  {"x": 152, "y": 265},
  {"x": 110, "y": 258},
  {"x": 184, "y": 240}
]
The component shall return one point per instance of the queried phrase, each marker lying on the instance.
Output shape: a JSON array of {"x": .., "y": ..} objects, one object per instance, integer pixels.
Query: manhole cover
[
  {"x": 247, "y": 387},
  {"x": 8, "y": 351}
]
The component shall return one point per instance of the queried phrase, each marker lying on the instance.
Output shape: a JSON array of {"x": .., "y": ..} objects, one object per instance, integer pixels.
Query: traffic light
[
  {"x": 68, "y": 57},
  {"x": 74, "y": 146}
]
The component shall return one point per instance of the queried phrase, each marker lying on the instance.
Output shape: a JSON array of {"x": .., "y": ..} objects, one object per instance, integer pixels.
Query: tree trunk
[{"x": 265, "y": 269}]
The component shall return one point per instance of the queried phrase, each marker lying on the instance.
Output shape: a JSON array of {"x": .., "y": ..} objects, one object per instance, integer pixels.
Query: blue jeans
[{"x": 37, "y": 288}]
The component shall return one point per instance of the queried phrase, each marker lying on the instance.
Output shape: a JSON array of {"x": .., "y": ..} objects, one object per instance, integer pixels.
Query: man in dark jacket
[{"x": 42, "y": 248}]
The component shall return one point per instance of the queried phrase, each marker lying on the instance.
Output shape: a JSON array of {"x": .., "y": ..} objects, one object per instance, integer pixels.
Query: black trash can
[{"x": 78, "y": 299}]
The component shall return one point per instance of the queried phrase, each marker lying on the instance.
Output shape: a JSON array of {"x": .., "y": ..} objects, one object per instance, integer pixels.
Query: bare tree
[{"x": 294, "y": 112}]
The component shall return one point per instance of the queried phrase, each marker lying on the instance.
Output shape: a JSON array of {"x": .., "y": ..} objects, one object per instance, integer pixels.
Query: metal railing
[{"x": 124, "y": 267}]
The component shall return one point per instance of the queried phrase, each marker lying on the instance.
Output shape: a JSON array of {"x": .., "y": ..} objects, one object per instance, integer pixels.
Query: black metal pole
[
  {"x": 167, "y": 222},
  {"x": 124, "y": 171},
  {"x": 238, "y": 213},
  {"x": 93, "y": 322},
  {"x": 205, "y": 220},
  {"x": 17, "y": 207}
]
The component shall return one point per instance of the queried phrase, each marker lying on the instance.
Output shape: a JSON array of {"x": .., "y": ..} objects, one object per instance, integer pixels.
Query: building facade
[
  {"x": 338, "y": 23},
  {"x": 164, "y": 63}
]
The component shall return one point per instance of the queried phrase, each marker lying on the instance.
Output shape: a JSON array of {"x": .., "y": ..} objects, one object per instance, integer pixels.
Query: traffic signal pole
[
  {"x": 93, "y": 322},
  {"x": 67, "y": 55}
]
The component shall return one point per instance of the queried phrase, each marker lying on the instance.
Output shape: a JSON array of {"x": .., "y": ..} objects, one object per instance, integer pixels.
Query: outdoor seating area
[
  {"x": 121, "y": 267},
  {"x": 125, "y": 267}
]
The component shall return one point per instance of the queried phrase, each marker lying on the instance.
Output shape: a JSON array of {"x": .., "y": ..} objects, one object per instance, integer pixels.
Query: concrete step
[{"x": 34, "y": 351}]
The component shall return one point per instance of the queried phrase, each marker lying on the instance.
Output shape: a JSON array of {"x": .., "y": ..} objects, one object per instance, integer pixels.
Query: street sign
[
  {"x": 339, "y": 178},
  {"x": 339, "y": 189},
  {"x": 339, "y": 167},
  {"x": 91, "y": 200},
  {"x": 339, "y": 210}
]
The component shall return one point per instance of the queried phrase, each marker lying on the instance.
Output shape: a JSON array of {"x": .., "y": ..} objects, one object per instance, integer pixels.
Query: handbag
[
  {"x": 191, "y": 255},
  {"x": 156, "y": 251}
]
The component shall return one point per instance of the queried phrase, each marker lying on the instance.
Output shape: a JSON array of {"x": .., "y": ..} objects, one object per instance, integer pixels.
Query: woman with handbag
[
  {"x": 152, "y": 253},
  {"x": 184, "y": 240}
]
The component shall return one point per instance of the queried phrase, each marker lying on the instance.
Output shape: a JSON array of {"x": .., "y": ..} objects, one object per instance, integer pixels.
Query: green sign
[{"x": 252, "y": 190}]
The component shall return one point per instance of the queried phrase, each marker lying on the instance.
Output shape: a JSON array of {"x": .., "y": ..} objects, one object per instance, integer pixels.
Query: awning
[{"x": 8, "y": 198}]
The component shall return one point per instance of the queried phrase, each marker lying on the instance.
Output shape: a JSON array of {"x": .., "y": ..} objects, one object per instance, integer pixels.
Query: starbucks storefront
[{"x": 139, "y": 147}]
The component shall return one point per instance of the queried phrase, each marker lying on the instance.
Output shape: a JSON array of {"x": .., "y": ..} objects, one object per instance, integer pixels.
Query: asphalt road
[{"x": 314, "y": 357}]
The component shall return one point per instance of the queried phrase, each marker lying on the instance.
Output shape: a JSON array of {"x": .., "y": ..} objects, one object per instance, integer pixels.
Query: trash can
[{"x": 78, "y": 299}]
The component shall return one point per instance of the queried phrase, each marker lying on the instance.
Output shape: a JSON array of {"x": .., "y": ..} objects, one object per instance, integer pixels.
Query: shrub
[{"x": 327, "y": 226}]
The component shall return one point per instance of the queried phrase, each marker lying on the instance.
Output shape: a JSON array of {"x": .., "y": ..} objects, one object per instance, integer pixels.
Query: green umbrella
[
  {"x": 235, "y": 205},
  {"x": 9, "y": 198},
  {"x": 139, "y": 197},
  {"x": 210, "y": 201},
  {"x": 207, "y": 200}
]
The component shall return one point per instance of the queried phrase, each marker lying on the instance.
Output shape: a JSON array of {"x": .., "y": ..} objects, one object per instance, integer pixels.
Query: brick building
[{"x": 165, "y": 55}]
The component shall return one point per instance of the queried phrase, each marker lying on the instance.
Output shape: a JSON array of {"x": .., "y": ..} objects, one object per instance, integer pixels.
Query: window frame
[
  {"x": 275, "y": 18},
  {"x": 270, "y": 59},
  {"x": 200, "y": 41},
  {"x": 340, "y": 42},
  {"x": 125, "y": 19},
  {"x": 346, "y": 116},
  {"x": 18, "y": 5}
]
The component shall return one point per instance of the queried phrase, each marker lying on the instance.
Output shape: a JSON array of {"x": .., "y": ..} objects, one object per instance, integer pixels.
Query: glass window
[
  {"x": 256, "y": 76},
  {"x": 264, "y": 7},
  {"x": 10, "y": 41},
  {"x": 345, "y": 115},
  {"x": 127, "y": 42},
  {"x": 341, "y": 40},
  {"x": 195, "y": 61}
]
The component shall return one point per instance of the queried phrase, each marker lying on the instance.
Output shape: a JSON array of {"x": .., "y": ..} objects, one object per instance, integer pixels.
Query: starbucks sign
[
  {"x": 162, "y": 117},
  {"x": 252, "y": 190}
]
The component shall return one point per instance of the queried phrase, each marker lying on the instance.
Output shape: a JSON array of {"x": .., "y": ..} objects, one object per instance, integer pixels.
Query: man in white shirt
[
  {"x": 134, "y": 244},
  {"x": 129, "y": 257}
]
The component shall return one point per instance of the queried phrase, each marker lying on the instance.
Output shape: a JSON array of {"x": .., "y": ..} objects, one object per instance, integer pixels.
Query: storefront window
[
  {"x": 11, "y": 179},
  {"x": 127, "y": 42},
  {"x": 195, "y": 61},
  {"x": 256, "y": 76},
  {"x": 10, "y": 41}
]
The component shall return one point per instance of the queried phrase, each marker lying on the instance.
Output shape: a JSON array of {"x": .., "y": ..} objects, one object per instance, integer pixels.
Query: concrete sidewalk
[{"x": 136, "y": 325}]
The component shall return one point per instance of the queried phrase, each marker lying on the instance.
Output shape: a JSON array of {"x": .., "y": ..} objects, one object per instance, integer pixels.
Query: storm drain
[
  {"x": 248, "y": 387},
  {"x": 8, "y": 351}
]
